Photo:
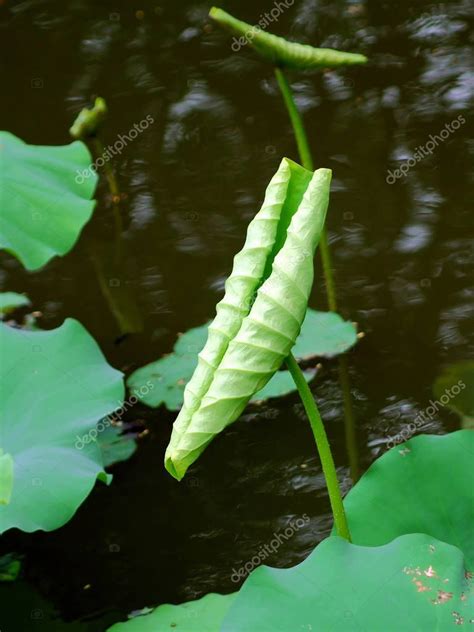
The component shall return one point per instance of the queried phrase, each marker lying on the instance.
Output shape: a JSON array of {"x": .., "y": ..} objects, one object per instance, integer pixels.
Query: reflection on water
[{"x": 192, "y": 182}]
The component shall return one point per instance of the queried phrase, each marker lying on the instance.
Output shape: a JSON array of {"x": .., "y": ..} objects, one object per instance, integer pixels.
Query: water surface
[{"x": 192, "y": 181}]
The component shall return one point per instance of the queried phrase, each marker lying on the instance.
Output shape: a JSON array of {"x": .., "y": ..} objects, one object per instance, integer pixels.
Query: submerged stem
[
  {"x": 349, "y": 420},
  {"x": 307, "y": 162},
  {"x": 324, "y": 449},
  {"x": 114, "y": 192}
]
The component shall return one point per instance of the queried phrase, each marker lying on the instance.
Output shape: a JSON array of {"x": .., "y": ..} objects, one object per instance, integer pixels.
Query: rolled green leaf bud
[
  {"x": 88, "y": 120},
  {"x": 260, "y": 316},
  {"x": 280, "y": 51}
]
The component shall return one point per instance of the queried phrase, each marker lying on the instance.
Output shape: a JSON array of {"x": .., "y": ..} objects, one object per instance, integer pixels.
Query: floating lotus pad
[
  {"x": 201, "y": 615},
  {"x": 323, "y": 335},
  {"x": 116, "y": 446},
  {"x": 43, "y": 204},
  {"x": 54, "y": 388}
]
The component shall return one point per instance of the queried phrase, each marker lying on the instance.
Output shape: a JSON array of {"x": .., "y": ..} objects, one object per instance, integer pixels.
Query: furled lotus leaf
[
  {"x": 280, "y": 51},
  {"x": 54, "y": 388},
  {"x": 415, "y": 583},
  {"x": 425, "y": 485},
  {"x": 45, "y": 201},
  {"x": 201, "y": 615},
  {"x": 260, "y": 316}
]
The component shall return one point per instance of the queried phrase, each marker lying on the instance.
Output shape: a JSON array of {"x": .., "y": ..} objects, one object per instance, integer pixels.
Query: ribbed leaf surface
[{"x": 260, "y": 316}]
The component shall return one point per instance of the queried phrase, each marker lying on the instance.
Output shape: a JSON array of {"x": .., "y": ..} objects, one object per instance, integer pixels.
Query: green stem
[
  {"x": 324, "y": 449},
  {"x": 307, "y": 162},
  {"x": 351, "y": 444},
  {"x": 296, "y": 120}
]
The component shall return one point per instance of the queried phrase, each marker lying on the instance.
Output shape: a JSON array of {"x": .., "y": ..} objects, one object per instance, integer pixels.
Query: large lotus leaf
[
  {"x": 261, "y": 314},
  {"x": 454, "y": 388},
  {"x": 202, "y": 615},
  {"x": 54, "y": 388},
  {"x": 44, "y": 199},
  {"x": 415, "y": 584},
  {"x": 9, "y": 301},
  {"x": 280, "y": 51},
  {"x": 323, "y": 334},
  {"x": 425, "y": 485}
]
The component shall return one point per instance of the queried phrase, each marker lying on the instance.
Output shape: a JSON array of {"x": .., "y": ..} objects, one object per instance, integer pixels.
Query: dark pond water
[{"x": 192, "y": 182}]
